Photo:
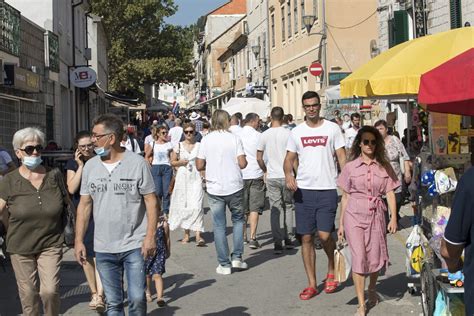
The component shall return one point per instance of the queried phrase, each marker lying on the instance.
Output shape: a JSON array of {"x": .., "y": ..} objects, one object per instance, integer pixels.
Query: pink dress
[{"x": 364, "y": 218}]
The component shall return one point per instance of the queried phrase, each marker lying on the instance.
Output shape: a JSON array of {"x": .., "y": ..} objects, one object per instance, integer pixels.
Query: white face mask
[{"x": 32, "y": 162}]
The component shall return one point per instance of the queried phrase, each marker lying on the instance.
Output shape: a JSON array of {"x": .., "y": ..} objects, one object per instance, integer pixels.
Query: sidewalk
[{"x": 269, "y": 287}]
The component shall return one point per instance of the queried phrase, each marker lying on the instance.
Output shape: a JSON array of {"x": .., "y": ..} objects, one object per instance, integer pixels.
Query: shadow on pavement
[
  {"x": 73, "y": 287},
  {"x": 167, "y": 310},
  {"x": 259, "y": 256},
  {"x": 393, "y": 287},
  {"x": 237, "y": 310},
  {"x": 174, "y": 288}
]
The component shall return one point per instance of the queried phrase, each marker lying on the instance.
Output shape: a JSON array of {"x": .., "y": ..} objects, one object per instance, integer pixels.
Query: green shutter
[
  {"x": 455, "y": 13},
  {"x": 398, "y": 28}
]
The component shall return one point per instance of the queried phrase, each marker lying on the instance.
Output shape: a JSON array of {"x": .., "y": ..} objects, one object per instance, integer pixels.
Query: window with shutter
[
  {"x": 455, "y": 13},
  {"x": 398, "y": 28}
]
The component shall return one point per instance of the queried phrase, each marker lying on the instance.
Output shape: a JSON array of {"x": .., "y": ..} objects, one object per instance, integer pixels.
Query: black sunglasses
[
  {"x": 29, "y": 150},
  {"x": 366, "y": 142},
  {"x": 189, "y": 132}
]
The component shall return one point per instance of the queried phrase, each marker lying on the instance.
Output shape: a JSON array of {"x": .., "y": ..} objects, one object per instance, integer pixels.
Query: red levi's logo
[{"x": 314, "y": 141}]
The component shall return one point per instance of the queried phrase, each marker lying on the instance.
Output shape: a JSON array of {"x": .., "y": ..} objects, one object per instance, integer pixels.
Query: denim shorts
[{"x": 315, "y": 210}]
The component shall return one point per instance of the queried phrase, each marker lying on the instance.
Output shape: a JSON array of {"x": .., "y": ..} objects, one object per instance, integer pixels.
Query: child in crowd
[{"x": 155, "y": 266}]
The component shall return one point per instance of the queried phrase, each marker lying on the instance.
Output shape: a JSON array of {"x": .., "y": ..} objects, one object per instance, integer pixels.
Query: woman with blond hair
[
  {"x": 33, "y": 200},
  {"x": 158, "y": 152},
  {"x": 186, "y": 201}
]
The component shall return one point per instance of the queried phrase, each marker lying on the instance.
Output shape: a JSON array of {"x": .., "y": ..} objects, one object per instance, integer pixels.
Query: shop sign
[
  {"x": 21, "y": 79},
  {"x": 336, "y": 77},
  {"x": 420, "y": 17},
  {"x": 83, "y": 77},
  {"x": 52, "y": 49},
  {"x": 10, "y": 29},
  {"x": 260, "y": 89}
]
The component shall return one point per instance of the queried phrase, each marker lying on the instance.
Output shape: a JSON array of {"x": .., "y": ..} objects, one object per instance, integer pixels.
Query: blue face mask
[
  {"x": 32, "y": 162},
  {"x": 101, "y": 151}
]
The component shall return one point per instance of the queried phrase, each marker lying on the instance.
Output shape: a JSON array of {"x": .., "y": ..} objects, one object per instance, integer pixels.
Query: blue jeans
[
  {"x": 162, "y": 175},
  {"x": 217, "y": 204},
  {"x": 111, "y": 267}
]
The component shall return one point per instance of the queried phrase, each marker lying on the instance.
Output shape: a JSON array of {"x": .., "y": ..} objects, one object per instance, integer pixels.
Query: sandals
[
  {"x": 149, "y": 299},
  {"x": 373, "y": 298},
  {"x": 100, "y": 306},
  {"x": 308, "y": 293},
  {"x": 161, "y": 302},
  {"x": 185, "y": 240},
  {"x": 330, "y": 286},
  {"x": 201, "y": 243}
]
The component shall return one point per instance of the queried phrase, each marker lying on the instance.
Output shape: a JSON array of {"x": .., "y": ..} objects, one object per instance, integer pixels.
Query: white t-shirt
[
  {"x": 175, "y": 133},
  {"x": 316, "y": 148},
  {"x": 351, "y": 134},
  {"x": 250, "y": 138},
  {"x": 220, "y": 149},
  {"x": 161, "y": 153},
  {"x": 235, "y": 129},
  {"x": 149, "y": 140},
  {"x": 273, "y": 143},
  {"x": 111, "y": 166},
  {"x": 128, "y": 145}
]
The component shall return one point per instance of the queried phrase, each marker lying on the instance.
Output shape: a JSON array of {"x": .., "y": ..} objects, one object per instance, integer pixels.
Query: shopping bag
[
  {"x": 416, "y": 251},
  {"x": 342, "y": 261}
]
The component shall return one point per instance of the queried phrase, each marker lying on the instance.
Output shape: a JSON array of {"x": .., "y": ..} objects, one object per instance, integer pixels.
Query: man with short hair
[
  {"x": 272, "y": 144},
  {"x": 254, "y": 186},
  {"x": 221, "y": 155},
  {"x": 352, "y": 131},
  {"x": 314, "y": 143},
  {"x": 117, "y": 186},
  {"x": 235, "y": 127},
  {"x": 176, "y": 132}
]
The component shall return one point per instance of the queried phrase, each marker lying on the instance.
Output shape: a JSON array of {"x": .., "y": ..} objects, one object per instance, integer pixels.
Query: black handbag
[{"x": 69, "y": 211}]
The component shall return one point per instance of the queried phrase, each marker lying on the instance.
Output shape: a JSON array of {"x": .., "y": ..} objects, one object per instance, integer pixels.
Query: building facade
[{"x": 294, "y": 44}]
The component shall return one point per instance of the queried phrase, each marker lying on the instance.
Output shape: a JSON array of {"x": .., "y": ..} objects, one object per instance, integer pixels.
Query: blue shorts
[{"x": 315, "y": 210}]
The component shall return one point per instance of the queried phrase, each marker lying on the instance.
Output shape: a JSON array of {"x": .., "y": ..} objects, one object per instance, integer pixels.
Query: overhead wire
[
  {"x": 352, "y": 26},
  {"x": 339, "y": 49}
]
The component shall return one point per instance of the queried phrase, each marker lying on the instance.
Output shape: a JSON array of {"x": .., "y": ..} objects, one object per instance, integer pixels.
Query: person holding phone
[{"x": 84, "y": 150}]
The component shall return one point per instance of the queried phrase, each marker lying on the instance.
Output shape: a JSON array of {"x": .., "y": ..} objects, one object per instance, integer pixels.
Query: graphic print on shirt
[
  {"x": 314, "y": 141},
  {"x": 120, "y": 188}
]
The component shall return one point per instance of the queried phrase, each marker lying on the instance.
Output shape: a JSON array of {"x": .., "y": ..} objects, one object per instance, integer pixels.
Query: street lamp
[
  {"x": 256, "y": 50},
  {"x": 223, "y": 65},
  {"x": 308, "y": 21}
]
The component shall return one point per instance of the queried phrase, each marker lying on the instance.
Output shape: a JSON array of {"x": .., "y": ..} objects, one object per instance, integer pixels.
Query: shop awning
[{"x": 198, "y": 106}]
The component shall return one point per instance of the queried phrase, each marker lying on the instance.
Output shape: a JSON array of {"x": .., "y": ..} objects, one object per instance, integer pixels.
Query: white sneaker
[
  {"x": 239, "y": 264},
  {"x": 223, "y": 270}
]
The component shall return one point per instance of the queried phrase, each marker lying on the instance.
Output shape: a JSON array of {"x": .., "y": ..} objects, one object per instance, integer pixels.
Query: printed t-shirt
[
  {"x": 220, "y": 149},
  {"x": 161, "y": 153},
  {"x": 273, "y": 143},
  {"x": 460, "y": 231},
  {"x": 250, "y": 138},
  {"x": 316, "y": 148},
  {"x": 35, "y": 221},
  {"x": 118, "y": 206}
]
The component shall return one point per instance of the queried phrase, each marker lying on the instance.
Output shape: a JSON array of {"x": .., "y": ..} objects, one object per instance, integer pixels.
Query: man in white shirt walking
[
  {"x": 314, "y": 144},
  {"x": 221, "y": 155},
  {"x": 176, "y": 132},
  {"x": 254, "y": 186},
  {"x": 272, "y": 144},
  {"x": 352, "y": 131},
  {"x": 235, "y": 127}
]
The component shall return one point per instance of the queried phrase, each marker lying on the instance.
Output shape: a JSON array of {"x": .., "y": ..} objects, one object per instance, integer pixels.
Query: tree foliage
[{"x": 143, "y": 48}]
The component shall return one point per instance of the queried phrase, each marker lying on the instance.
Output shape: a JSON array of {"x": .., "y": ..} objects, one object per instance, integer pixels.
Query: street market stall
[
  {"x": 248, "y": 105},
  {"x": 397, "y": 73}
]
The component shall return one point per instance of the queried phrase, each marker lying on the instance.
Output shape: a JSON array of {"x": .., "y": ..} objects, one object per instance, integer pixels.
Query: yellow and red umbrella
[
  {"x": 449, "y": 88},
  {"x": 397, "y": 71}
]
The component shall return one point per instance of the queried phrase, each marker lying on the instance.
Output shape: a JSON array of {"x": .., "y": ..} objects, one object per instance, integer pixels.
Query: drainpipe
[{"x": 73, "y": 16}]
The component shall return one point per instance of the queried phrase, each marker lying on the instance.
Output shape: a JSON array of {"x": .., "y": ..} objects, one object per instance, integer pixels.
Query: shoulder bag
[
  {"x": 173, "y": 178},
  {"x": 69, "y": 211}
]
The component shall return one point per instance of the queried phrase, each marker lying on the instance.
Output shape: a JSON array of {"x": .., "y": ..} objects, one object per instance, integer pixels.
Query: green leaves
[{"x": 143, "y": 48}]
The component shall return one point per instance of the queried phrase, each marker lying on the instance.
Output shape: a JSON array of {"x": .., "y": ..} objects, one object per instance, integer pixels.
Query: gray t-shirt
[{"x": 118, "y": 207}]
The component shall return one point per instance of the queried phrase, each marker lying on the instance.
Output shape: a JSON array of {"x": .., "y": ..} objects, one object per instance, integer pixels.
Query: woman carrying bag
[
  {"x": 159, "y": 154},
  {"x": 365, "y": 179}
]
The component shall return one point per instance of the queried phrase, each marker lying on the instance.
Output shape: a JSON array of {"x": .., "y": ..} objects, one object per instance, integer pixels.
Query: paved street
[{"x": 269, "y": 287}]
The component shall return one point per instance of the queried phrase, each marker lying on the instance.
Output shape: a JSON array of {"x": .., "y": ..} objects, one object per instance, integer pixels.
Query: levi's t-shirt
[{"x": 316, "y": 147}]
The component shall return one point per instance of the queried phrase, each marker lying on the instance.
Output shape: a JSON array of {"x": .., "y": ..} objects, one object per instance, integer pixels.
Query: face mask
[
  {"x": 32, "y": 162},
  {"x": 101, "y": 151}
]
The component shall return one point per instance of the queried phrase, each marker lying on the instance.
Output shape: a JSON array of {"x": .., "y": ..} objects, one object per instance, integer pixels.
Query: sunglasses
[
  {"x": 366, "y": 142},
  {"x": 29, "y": 150},
  {"x": 307, "y": 106},
  {"x": 164, "y": 133},
  {"x": 189, "y": 132}
]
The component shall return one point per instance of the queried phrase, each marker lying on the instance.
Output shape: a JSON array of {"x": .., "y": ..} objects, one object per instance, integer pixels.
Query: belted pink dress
[{"x": 364, "y": 218}]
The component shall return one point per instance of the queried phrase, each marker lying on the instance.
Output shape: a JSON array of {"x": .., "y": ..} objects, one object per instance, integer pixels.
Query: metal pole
[{"x": 324, "y": 42}]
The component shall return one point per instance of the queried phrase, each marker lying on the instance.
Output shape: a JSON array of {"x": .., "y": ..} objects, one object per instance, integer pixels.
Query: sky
[{"x": 189, "y": 11}]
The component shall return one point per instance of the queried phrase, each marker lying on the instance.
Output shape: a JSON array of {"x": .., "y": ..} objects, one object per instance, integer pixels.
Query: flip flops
[
  {"x": 201, "y": 243},
  {"x": 308, "y": 293}
]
